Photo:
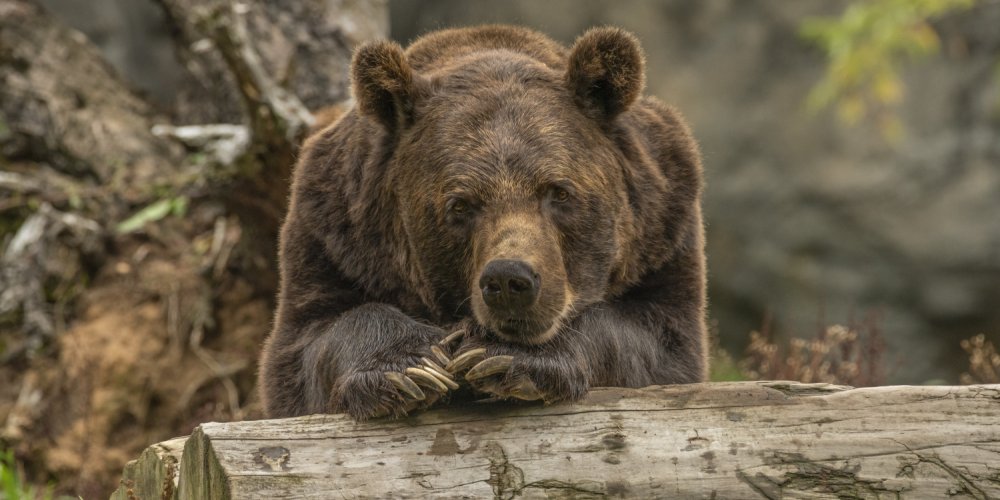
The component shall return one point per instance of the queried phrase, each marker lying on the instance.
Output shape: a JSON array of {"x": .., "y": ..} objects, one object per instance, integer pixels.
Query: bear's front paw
[
  {"x": 371, "y": 394},
  {"x": 506, "y": 373}
]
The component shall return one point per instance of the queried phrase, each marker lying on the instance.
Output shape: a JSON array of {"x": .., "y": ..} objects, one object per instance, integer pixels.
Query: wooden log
[
  {"x": 154, "y": 474},
  {"x": 718, "y": 440}
]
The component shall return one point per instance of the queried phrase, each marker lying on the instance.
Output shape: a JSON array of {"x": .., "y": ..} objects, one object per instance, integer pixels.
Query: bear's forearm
[
  {"x": 630, "y": 347},
  {"x": 305, "y": 366},
  {"x": 656, "y": 330}
]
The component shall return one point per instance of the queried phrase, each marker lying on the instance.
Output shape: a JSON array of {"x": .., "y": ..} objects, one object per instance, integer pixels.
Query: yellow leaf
[
  {"x": 925, "y": 39},
  {"x": 887, "y": 88},
  {"x": 851, "y": 109}
]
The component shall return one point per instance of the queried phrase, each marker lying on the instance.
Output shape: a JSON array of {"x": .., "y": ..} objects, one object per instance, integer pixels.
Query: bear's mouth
[
  {"x": 532, "y": 327},
  {"x": 524, "y": 331},
  {"x": 515, "y": 327}
]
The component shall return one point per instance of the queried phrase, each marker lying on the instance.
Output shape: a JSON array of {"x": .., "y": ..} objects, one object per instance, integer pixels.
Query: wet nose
[{"x": 509, "y": 285}]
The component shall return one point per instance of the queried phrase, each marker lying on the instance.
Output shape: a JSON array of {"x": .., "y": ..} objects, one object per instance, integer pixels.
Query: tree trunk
[{"x": 723, "y": 440}]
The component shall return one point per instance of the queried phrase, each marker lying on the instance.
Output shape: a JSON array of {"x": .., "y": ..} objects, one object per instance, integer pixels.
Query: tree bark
[{"x": 723, "y": 440}]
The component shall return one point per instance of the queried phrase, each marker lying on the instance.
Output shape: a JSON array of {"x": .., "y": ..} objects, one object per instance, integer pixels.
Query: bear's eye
[
  {"x": 458, "y": 207},
  {"x": 559, "y": 195}
]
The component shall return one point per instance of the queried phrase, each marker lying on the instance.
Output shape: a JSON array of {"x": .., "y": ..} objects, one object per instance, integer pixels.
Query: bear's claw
[
  {"x": 525, "y": 389},
  {"x": 405, "y": 385},
  {"x": 497, "y": 376},
  {"x": 422, "y": 377},
  {"x": 466, "y": 360},
  {"x": 453, "y": 336},
  {"x": 440, "y": 355},
  {"x": 441, "y": 374},
  {"x": 429, "y": 363},
  {"x": 489, "y": 366}
]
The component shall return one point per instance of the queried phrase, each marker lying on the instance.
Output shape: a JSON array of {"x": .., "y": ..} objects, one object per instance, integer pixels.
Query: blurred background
[{"x": 851, "y": 148}]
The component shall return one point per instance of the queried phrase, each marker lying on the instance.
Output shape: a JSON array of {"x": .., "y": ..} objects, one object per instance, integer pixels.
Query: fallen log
[{"x": 718, "y": 440}]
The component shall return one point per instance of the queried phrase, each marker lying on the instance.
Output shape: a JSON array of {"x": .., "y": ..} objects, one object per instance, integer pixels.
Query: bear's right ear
[
  {"x": 384, "y": 84},
  {"x": 605, "y": 72}
]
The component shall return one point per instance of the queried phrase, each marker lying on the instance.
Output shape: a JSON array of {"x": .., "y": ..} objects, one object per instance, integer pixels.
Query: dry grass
[
  {"x": 984, "y": 362},
  {"x": 850, "y": 355}
]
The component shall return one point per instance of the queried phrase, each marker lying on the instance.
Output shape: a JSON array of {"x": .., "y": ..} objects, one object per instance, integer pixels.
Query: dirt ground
[{"x": 165, "y": 337}]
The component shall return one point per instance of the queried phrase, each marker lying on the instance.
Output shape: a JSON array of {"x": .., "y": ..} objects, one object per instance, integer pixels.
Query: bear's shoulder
[{"x": 667, "y": 137}]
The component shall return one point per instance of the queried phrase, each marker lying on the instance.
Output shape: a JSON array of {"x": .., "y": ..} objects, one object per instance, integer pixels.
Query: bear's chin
[
  {"x": 526, "y": 332},
  {"x": 529, "y": 330}
]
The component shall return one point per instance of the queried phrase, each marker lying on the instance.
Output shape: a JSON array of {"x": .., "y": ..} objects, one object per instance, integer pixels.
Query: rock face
[{"x": 810, "y": 221}]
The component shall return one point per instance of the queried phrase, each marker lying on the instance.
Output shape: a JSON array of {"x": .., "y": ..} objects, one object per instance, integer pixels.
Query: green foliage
[
  {"x": 723, "y": 368},
  {"x": 865, "y": 47},
  {"x": 176, "y": 205},
  {"x": 12, "y": 483}
]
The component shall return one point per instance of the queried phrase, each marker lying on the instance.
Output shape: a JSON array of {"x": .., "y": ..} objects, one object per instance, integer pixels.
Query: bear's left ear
[
  {"x": 606, "y": 72},
  {"x": 384, "y": 84}
]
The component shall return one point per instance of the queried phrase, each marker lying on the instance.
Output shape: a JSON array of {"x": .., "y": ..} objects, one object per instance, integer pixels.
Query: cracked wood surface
[{"x": 719, "y": 440}]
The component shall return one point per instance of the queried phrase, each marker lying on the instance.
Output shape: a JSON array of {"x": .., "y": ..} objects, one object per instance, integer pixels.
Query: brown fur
[{"x": 482, "y": 144}]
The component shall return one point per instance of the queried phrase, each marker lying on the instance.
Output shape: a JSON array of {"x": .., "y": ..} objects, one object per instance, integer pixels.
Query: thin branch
[
  {"x": 273, "y": 111},
  {"x": 224, "y": 143}
]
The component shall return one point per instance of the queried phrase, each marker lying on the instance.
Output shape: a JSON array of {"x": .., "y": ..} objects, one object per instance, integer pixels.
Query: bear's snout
[
  {"x": 520, "y": 292},
  {"x": 509, "y": 286}
]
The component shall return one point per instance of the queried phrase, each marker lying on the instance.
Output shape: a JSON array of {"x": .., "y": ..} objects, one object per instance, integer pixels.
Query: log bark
[{"x": 721, "y": 440}]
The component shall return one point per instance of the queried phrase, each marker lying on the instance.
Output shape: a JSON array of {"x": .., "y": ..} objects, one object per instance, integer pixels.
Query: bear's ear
[
  {"x": 383, "y": 83},
  {"x": 606, "y": 72}
]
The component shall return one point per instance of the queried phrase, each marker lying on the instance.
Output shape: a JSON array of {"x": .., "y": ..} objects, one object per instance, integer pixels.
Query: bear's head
[{"x": 508, "y": 184}]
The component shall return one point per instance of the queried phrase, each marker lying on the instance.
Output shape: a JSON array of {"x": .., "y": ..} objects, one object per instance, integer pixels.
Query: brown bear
[{"x": 492, "y": 183}]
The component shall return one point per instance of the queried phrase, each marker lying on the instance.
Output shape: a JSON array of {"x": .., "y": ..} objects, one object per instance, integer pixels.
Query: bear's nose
[{"x": 509, "y": 285}]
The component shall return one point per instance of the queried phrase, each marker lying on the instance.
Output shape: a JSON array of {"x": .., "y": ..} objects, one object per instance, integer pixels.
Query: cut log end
[
  {"x": 724, "y": 440},
  {"x": 155, "y": 474}
]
